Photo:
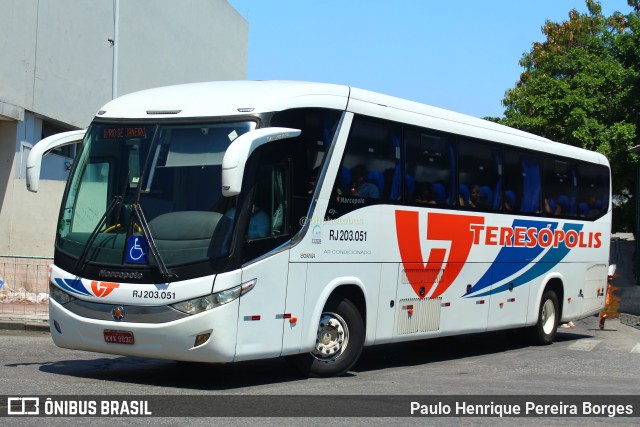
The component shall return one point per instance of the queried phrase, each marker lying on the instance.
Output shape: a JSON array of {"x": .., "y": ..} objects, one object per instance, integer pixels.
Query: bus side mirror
[
  {"x": 235, "y": 158},
  {"x": 42, "y": 148}
]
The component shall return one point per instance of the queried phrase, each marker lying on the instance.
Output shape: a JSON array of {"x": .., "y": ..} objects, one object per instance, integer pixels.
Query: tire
[
  {"x": 544, "y": 331},
  {"x": 339, "y": 342}
]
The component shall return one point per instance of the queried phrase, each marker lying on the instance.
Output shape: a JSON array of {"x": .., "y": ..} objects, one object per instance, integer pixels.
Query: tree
[{"x": 581, "y": 86}]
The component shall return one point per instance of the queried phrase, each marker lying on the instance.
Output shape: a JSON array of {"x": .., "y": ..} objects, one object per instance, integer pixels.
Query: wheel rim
[
  {"x": 332, "y": 339},
  {"x": 548, "y": 316}
]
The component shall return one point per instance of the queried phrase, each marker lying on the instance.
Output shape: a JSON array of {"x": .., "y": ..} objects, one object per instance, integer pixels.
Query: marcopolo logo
[{"x": 123, "y": 275}]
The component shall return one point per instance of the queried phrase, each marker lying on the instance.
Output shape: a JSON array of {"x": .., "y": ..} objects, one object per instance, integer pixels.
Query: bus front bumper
[{"x": 174, "y": 340}]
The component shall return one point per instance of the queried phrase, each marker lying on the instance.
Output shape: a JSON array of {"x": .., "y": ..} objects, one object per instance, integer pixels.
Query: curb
[
  {"x": 30, "y": 323},
  {"x": 630, "y": 320}
]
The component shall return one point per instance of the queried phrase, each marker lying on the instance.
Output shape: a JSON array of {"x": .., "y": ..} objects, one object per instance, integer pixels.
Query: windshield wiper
[
  {"x": 116, "y": 201},
  {"x": 144, "y": 225},
  {"x": 79, "y": 267},
  {"x": 149, "y": 168}
]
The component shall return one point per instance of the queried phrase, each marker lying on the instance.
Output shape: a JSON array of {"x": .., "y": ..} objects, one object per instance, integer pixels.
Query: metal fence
[{"x": 24, "y": 285}]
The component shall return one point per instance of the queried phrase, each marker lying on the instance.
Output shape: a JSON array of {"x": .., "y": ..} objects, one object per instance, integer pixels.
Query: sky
[{"x": 461, "y": 55}]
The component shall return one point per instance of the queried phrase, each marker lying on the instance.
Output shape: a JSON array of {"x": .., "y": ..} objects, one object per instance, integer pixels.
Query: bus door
[
  {"x": 261, "y": 316},
  {"x": 293, "y": 315},
  {"x": 260, "y": 319}
]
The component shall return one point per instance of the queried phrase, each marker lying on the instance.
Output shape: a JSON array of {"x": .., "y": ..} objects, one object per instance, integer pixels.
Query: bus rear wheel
[
  {"x": 339, "y": 341},
  {"x": 544, "y": 331}
]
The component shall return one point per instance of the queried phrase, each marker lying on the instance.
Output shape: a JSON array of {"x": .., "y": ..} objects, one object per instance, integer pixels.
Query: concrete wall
[
  {"x": 27, "y": 220},
  {"x": 56, "y": 65},
  {"x": 198, "y": 40},
  {"x": 7, "y": 155},
  {"x": 56, "y": 59}
]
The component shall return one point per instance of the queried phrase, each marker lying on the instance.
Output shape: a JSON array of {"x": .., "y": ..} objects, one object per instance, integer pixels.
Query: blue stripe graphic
[
  {"x": 74, "y": 286},
  {"x": 546, "y": 263},
  {"x": 510, "y": 260}
]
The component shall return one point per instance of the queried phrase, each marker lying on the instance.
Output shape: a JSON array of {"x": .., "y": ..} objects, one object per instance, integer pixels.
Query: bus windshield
[{"x": 170, "y": 175}]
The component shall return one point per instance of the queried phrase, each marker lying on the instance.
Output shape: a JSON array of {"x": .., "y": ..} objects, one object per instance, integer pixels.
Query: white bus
[{"x": 229, "y": 221}]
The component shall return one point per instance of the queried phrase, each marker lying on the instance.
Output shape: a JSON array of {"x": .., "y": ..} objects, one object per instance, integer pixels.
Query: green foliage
[{"x": 581, "y": 86}]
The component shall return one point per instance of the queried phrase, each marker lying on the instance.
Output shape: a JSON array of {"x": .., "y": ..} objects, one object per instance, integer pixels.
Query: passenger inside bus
[
  {"x": 360, "y": 186},
  {"x": 510, "y": 201},
  {"x": 485, "y": 197},
  {"x": 258, "y": 224},
  {"x": 561, "y": 206},
  {"x": 469, "y": 198},
  {"x": 464, "y": 195},
  {"x": 424, "y": 196}
]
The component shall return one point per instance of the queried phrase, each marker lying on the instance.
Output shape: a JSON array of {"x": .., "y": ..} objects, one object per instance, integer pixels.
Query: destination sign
[{"x": 123, "y": 132}]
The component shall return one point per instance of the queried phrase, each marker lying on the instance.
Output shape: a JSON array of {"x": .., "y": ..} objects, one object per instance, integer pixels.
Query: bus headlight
[
  {"x": 59, "y": 296},
  {"x": 208, "y": 302}
]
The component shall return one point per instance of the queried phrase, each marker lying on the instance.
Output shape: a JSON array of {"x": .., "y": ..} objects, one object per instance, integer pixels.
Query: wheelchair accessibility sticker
[{"x": 136, "y": 250}]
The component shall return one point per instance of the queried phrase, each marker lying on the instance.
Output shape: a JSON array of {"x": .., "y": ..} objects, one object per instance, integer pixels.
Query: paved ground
[{"x": 35, "y": 317}]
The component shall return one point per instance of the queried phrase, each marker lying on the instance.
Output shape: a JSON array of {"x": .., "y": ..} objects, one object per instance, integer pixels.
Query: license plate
[{"x": 118, "y": 337}]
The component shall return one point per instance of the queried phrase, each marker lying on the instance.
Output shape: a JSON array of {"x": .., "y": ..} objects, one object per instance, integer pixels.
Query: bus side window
[
  {"x": 367, "y": 173},
  {"x": 593, "y": 190},
  {"x": 479, "y": 171},
  {"x": 268, "y": 216},
  {"x": 429, "y": 164},
  {"x": 308, "y": 151},
  {"x": 530, "y": 180},
  {"x": 514, "y": 180},
  {"x": 268, "y": 210},
  {"x": 560, "y": 187}
]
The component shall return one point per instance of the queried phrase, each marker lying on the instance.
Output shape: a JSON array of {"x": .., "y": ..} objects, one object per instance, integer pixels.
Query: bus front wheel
[
  {"x": 544, "y": 331},
  {"x": 339, "y": 341}
]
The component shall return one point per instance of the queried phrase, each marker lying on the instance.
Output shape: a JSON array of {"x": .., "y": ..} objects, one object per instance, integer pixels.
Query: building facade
[{"x": 57, "y": 70}]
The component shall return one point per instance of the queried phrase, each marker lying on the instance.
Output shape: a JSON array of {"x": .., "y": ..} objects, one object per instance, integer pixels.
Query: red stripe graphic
[{"x": 440, "y": 227}]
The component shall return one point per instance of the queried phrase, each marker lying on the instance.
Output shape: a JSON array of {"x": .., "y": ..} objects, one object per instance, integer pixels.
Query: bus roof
[
  {"x": 229, "y": 98},
  {"x": 211, "y": 99}
]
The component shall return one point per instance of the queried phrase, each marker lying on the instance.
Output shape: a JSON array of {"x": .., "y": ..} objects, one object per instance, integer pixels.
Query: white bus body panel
[
  {"x": 296, "y": 288},
  {"x": 506, "y": 282},
  {"x": 260, "y": 319}
]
